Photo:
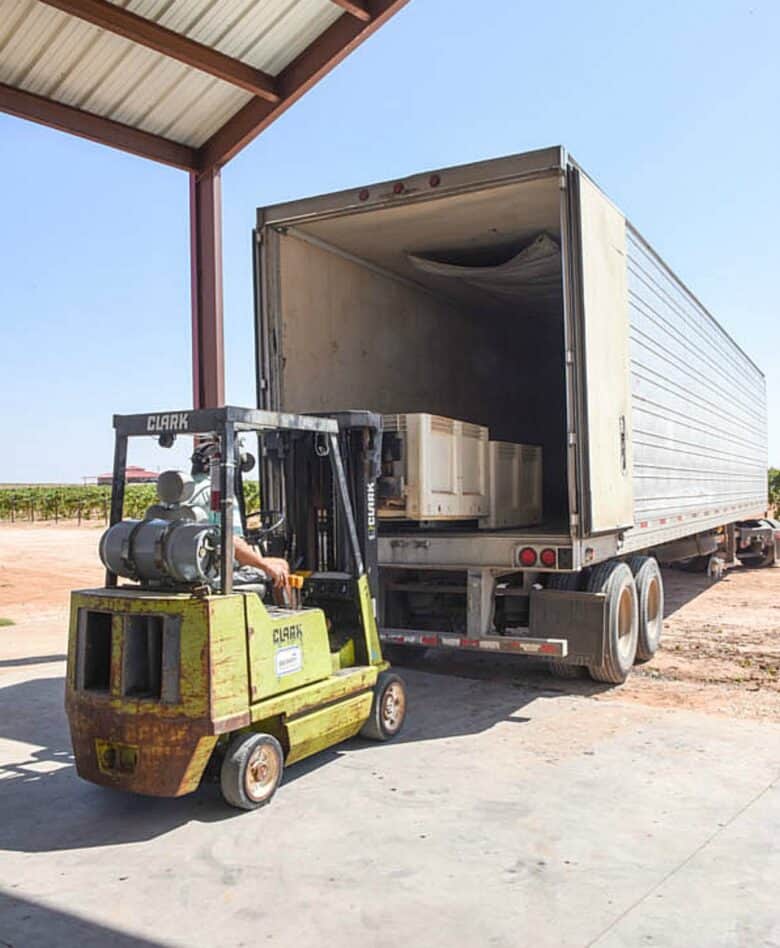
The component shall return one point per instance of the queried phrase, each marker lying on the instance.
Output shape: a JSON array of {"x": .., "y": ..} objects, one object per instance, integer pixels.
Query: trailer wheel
[
  {"x": 614, "y": 579},
  {"x": 650, "y": 593},
  {"x": 251, "y": 771},
  {"x": 388, "y": 709}
]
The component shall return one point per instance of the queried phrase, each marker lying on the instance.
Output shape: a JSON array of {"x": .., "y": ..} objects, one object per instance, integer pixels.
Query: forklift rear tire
[
  {"x": 388, "y": 709},
  {"x": 251, "y": 770}
]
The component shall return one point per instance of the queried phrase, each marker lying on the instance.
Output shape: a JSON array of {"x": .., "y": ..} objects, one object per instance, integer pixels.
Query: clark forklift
[{"x": 190, "y": 666}]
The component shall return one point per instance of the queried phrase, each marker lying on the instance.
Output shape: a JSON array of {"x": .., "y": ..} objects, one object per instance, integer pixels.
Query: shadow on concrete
[
  {"x": 513, "y": 671},
  {"x": 46, "y": 807},
  {"x": 31, "y": 660},
  {"x": 26, "y": 924},
  {"x": 440, "y": 706}
]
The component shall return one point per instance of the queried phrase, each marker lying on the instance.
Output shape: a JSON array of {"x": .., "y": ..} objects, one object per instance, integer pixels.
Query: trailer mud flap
[{"x": 577, "y": 617}]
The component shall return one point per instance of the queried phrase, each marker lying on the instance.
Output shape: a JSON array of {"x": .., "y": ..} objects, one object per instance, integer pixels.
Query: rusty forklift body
[{"x": 166, "y": 678}]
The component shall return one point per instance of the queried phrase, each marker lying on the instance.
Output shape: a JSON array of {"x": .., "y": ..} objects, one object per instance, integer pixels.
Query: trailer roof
[
  {"x": 416, "y": 187},
  {"x": 184, "y": 82}
]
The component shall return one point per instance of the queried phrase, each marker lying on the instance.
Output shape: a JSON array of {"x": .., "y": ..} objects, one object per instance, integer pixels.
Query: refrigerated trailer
[{"x": 514, "y": 294}]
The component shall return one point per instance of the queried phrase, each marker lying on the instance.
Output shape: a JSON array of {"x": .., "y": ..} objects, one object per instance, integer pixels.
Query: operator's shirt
[{"x": 201, "y": 498}]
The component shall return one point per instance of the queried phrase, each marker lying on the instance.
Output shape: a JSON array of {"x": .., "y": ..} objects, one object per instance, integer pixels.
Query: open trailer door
[{"x": 602, "y": 331}]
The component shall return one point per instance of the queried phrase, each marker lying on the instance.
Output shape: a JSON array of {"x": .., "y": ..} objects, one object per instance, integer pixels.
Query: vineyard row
[{"x": 76, "y": 502}]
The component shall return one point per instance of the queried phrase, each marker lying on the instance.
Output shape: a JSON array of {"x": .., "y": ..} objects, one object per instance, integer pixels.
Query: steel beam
[
  {"x": 208, "y": 357},
  {"x": 356, "y": 8},
  {"x": 44, "y": 111},
  {"x": 327, "y": 51},
  {"x": 147, "y": 33}
]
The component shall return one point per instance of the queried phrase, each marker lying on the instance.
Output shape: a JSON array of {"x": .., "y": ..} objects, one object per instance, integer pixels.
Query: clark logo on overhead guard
[{"x": 175, "y": 421}]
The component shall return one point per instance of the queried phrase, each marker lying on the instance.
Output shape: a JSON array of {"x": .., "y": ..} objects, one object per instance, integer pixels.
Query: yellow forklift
[{"x": 191, "y": 665}]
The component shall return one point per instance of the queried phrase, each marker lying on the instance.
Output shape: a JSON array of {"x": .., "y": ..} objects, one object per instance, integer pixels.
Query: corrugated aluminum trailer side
[{"x": 699, "y": 412}]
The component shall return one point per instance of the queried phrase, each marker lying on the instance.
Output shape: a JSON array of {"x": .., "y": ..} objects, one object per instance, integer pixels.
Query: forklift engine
[{"x": 171, "y": 546}]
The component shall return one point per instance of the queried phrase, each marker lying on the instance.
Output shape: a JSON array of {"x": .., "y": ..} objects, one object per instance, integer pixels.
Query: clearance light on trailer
[
  {"x": 398, "y": 187},
  {"x": 547, "y": 557},
  {"x": 527, "y": 556},
  {"x": 363, "y": 195},
  {"x": 434, "y": 180}
]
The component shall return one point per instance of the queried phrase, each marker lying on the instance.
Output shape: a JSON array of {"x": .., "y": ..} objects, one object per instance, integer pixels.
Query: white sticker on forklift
[{"x": 288, "y": 660}]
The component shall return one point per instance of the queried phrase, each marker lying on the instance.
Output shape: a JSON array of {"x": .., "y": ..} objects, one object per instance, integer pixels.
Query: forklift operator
[{"x": 277, "y": 569}]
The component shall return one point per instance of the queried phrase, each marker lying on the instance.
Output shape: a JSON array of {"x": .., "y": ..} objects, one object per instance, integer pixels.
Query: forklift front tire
[
  {"x": 251, "y": 770},
  {"x": 388, "y": 709}
]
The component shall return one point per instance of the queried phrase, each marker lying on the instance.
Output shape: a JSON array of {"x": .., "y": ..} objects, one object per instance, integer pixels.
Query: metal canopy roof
[{"x": 184, "y": 82}]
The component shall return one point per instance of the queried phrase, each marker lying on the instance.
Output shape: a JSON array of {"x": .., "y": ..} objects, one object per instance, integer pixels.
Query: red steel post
[{"x": 208, "y": 348}]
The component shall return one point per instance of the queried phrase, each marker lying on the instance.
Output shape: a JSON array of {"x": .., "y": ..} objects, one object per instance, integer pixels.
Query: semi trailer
[{"x": 513, "y": 294}]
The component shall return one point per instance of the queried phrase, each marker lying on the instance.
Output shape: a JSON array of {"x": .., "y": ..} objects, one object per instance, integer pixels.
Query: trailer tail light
[
  {"x": 527, "y": 556},
  {"x": 547, "y": 557}
]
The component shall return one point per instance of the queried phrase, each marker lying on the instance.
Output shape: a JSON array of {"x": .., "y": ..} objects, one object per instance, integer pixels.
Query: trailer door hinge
[
  {"x": 570, "y": 357},
  {"x": 572, "y": 437},
  {"x": 574, "y": 520},
  {"x": 263, "y": 384}
]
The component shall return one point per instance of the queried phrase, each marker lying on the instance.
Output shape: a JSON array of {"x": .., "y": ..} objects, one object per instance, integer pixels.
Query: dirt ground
[{"x": 720, "y": 652}]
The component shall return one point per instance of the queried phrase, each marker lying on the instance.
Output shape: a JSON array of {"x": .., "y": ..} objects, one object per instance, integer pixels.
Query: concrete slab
[{"x": 504, "y": 815}]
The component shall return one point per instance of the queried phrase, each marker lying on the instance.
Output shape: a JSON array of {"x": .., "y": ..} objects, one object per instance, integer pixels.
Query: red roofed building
[{"x": 133, "y": 475}]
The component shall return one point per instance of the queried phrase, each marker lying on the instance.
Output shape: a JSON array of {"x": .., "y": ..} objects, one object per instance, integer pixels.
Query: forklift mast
[{"x": 299, "y": 483}]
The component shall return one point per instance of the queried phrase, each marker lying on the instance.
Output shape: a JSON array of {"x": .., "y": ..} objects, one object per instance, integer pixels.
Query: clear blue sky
[{"x": 672, "y": 107}]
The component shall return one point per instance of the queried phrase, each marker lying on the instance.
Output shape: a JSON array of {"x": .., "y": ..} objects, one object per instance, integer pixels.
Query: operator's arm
[{"x": 277, "y": 569}]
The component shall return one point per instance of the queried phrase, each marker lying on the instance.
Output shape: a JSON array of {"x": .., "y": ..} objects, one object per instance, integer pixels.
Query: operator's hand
[{"x": 278, "y": 571}]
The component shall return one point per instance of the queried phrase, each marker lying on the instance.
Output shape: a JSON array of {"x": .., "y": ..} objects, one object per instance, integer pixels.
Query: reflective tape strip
[{"x": 555, "y": 648}]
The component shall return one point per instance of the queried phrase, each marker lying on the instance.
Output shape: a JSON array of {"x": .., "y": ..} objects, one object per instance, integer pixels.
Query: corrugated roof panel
[
  {"x": 51, "y": 73},
  {"x": 29, "y": 39},
  {"x": 285, "y": 37},
  {"x": 63, "y": 56},
  {"x": 206, "y": 113},
  {"x": 52, "y": 54},
  {"x": 12, "y": 18},
  {"x": 209, "y": 21},
  {"x": 186, "y": 104}
]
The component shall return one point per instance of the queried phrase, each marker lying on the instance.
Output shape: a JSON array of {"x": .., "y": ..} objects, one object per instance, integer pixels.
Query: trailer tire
[
  {"x": 614, "y": 579},
  {"x": 650, "y": 595},
  {"x": 388, "y": 709},
  {"x": 251, "y": 770},
  {"x": 569, "y": 582},
  {"x": 562, "y": 670}
]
